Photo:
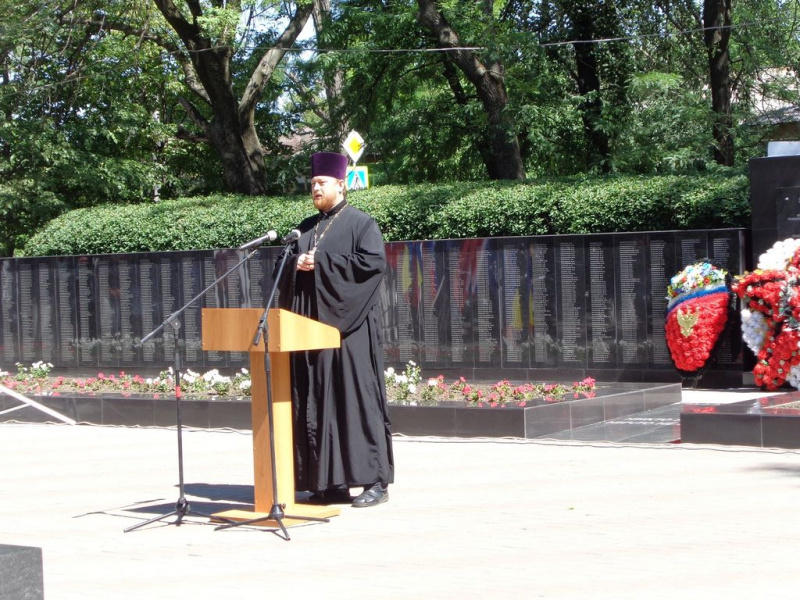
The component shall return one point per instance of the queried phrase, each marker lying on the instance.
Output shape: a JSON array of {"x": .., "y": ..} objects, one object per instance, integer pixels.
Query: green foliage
[
  {"x": 627, "y": 203},
  {"x": 82, "y": 122},
  {"x": 24, "y": 208},
  {"x": 667, "y": 130},
  {"x": 90, "y": 115},
  {"x": 221, "y": 221},
  {"x": 559, "y": 206}
]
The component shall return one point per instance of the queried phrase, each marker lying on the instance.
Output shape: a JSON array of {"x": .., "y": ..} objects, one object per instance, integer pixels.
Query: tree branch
[
  {"x": 446, "y": 37},
  {"x": 194, "y": 8},
  {"x": 100, "y": 22},
  {"x": 195, "y": 115},
  {"x": 183, "y": 134},
  {"x": 187, "y": 31},
  {"x": 306, "y": 93},
  {"x": 270, "y": 60}
]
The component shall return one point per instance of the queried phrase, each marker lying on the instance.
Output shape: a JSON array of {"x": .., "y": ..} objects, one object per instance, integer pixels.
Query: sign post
[{"x": 357, "y": 177}]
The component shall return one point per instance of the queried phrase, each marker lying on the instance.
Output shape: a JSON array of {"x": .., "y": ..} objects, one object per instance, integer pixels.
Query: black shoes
[
  {"x": 372, "y": 496},
  {"x": 341, "y": 496}
]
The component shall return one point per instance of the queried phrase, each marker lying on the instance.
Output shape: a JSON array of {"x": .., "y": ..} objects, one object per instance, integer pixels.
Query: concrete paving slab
[{"x": 468, "y": 518}]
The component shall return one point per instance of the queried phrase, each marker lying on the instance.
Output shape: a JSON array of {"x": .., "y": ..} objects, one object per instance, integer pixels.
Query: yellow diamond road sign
[{"x": 354, "y": 146}]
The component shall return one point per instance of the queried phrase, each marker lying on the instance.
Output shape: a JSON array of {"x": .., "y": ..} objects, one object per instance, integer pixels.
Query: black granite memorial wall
[
  {"x": 774, "y": 202},
  {"x": 532, "y": 308}
]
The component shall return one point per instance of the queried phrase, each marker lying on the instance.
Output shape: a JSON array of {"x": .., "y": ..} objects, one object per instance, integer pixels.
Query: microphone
[
  {"x": 270, "y": 236},
  {"x": 290, "y": 237}
]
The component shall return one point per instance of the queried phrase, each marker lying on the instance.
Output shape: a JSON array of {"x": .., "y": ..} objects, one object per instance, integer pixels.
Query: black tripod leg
[
  {"x": 182, "y": 505},
  {"x": 278, "y": 520},
  {"x": 153, "y": 520}
]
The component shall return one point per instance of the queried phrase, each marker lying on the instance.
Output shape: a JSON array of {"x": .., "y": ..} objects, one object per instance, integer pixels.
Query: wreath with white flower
[{"x": 771, "y": 314}]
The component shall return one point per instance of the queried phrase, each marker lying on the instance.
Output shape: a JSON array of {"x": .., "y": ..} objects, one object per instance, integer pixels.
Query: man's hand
[{"x": 305, "y": 262}]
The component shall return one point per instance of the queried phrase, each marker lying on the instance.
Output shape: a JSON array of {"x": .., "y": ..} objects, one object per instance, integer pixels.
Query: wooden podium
[{"x": 233, "y": 330}]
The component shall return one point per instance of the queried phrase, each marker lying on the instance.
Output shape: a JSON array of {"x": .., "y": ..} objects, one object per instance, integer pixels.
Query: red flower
[
  {"x": 773, "y": 293},
  {"x": 691, "y": 345}
]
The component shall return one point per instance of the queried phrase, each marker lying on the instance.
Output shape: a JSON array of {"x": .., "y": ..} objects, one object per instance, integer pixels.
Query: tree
[
  {"x": 589, "y": 43},
  {"x": 202, "y": 38},
  {"x": 73, "y": 132},
  {"x": 500, "y": 146}
]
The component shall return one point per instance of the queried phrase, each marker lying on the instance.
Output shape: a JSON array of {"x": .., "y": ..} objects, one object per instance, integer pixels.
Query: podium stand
[{"x": 233, "y": 330}]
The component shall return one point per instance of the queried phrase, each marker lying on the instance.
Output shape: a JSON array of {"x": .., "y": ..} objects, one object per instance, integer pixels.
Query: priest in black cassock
[{"x": 333, "y": 274}]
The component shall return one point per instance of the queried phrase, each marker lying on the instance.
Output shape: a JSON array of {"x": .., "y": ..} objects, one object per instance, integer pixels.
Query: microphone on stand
[
  {"x": 290, "y": 237},
  {"x": 270, "y": 236}
]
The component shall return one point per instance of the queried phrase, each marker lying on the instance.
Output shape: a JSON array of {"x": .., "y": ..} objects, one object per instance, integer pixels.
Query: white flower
[
  {"x": 244, "y": 385},
  {"x": 777, "y": 258},
  {"x": 389, "y": 371},
  {"x": 793, "y": 378},
  {"x": 245, "y": 371},
  {"x": 432, "y": 382},
  {"x": 412, "y": 388},
  {"x": 754, "y": 329}
]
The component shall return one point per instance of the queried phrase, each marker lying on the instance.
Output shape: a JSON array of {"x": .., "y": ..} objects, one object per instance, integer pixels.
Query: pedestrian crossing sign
[{"x": 357, "y": 178}]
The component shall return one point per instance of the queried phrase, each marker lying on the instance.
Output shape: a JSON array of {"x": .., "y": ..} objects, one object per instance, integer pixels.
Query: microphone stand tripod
[
  {"x": 182, "y": 507},
  {"x": 276, "y": 511}
]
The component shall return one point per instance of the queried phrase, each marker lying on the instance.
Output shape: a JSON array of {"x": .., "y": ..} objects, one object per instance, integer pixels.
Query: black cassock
[{"x": 341, "y": 420}]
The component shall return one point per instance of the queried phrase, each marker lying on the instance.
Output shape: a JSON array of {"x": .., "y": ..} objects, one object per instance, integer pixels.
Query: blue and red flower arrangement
[{"x": 698, "y": 303}]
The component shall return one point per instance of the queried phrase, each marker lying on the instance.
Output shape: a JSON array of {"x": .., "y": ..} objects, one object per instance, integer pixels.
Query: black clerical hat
[{"x": 329, "y": 164}]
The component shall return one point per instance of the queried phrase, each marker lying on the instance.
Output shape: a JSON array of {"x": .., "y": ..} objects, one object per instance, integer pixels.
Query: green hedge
[{"x": 579, "y": 205}]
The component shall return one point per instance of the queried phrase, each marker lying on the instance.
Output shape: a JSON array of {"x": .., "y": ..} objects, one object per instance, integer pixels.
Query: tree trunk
[
  {"x": 584, "y": 19},
  {"x": 717, "y": 21},
  {"x": 504, "y": 161},
  {"x": 240, "y": 153}
]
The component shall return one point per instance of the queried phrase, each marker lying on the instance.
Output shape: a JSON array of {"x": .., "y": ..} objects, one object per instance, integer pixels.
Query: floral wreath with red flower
[
  {"x": 771, "y": 315},
  {"x": 699, "y": 300}
]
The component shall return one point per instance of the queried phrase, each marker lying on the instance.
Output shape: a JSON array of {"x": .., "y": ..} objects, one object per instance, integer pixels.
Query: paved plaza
[{"x": 478, "y": 518}]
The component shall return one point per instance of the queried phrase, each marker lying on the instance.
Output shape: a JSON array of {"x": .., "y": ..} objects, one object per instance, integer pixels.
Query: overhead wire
[{"x": 303, "y": 50}]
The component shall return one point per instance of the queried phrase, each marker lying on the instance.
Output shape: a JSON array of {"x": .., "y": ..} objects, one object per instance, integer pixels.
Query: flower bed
[
  {"x": 403, "y": 388},
  {"x": 407, "y": 388},
  {"x": 37, "y": 380},
  {"x": 108, "y": 401}
]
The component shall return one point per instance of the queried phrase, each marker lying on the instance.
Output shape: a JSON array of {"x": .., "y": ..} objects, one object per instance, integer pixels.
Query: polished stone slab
[
  {"x": 542, "y": 419},
  {"x": 764, "y": 422},
  {"x": 656, "y": 426}
]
